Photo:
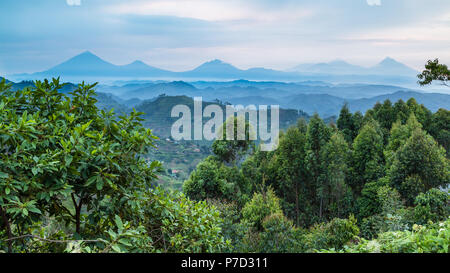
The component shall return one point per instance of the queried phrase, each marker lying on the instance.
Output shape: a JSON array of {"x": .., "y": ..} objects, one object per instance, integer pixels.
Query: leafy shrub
[
  {"x": 177, "y": 224},
  {"x": 212, "y": 179},
  {"x": 261, "y": 206},
  {"x": 279, "y": 235},
  {"x": 64, "y": 161},
  {"x": 233, "y": 230},
  {"x": 268, "y": 230},
  {"x": 209, "y": 180},
  {"x": 334, "y": 234},
  {"x": 431, "y": 206},
  {"x": 371, "y": 226},
  {"x": 369, "y": 203},
  {"x": 419, "y": 165},
  {"x": 392, "y": 216},
  {"x": 422, "y": 239}
]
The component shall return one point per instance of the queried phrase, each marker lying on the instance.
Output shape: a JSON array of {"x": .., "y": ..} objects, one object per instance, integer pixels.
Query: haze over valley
[{"x": 321, "y": 88}]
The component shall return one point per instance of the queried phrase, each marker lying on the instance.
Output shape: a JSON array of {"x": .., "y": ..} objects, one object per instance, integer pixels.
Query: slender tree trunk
[
  {"x": 338, "y": 209},
  {"x": 77, "y": 213},
  {"x": 321, "y": 206},
  {"x": 77, "y": 219},
  {"x": 8, "y": 229},
  {"x": 296, "y": 205}
]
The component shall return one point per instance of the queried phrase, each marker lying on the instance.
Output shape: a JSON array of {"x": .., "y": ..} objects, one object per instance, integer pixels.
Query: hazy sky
[{"x": 181, "y": 34}]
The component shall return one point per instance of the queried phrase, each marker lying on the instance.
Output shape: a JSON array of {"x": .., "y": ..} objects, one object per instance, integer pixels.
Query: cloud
[
  {"x": 209, "y": 10},
  {"x": 73, "y": 2},
  {"x": 180, "y": 34},
  {"x": 374, "y": 2}
]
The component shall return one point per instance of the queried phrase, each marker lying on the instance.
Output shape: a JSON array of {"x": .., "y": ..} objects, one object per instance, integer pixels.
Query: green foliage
[
  {"x": 338, "y": 196},
  {"x": 381, "y": 210},
  {"x": 334, "y": 234},
  {"x": 291, "y": 180},
  {"x": 367, "y": 162},
  {"x": 218, "y": 177},
  {"x": 418, "y": 166},
  {"x": 62, "y": 160},
  {"x": 392, "y": 210},
  {"x": 421, "y": 112},
  {"x": 440, "y": 128},
  {"x": 212, "y": 179},
  {"x": 168, "y": 223},
  {"x": 385, "y": 116},
  {"x": 434, "y": 71},
  {"x": 232, "y": 148},
  {"x": 434, "y": 238},
  {"x": 402, "y": 110},
  {"x": 74, "y": 178},
  {"x": 398, "y": 136},
  {"x": 370, "y": 226},
  {"x": 261, "y": 206},
  {"x": 233, "y": 230},
  {"x": 389, "y": 199},
  {"x": 177, "y": 224},
  {"x": 259, "y": 170},
  {"x": 317, "y": 136},
  {"x": 432, "y": 205},
  {"x": 347, "y": 125},
  {"x": 279, "y": 235},
  {"x": 268, "y": 229},
  {"x": 318, "y": 176},
  {"x": 368, "y": 203}
]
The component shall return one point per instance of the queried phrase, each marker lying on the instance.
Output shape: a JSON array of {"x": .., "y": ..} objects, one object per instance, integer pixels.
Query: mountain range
[
  {"x": 88, "y": 65},
  {"x": 388, "y": 66}
]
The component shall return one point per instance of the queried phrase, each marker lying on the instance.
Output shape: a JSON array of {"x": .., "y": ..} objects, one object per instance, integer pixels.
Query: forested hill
[{"x": 157, "y": 113}]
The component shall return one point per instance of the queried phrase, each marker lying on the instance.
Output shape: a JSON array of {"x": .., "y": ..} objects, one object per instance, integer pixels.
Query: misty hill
[
  {"x": 157, "y": 113},
  {"x": 327, "y": 105},
  {"x": 245, "y": 88},
  {"x": 323, "y": 104},
  {"x": 108, "y": 102},
  {"x": 258, "y": 84},
  {"x": 388, "y": 66},
  {"x": 433, "y": 101},
  {"x": 257, "y": 100},
  {"x": 292, "y": 107},
  {"x": 88, "y": 64},
  {"x": 214, "y": 69},
  {"x": 82, "y": 64},
  {"x": 171, "y": 88},
  {"x": 326, "y": 100},
  {"x": 334, "y": 67}
]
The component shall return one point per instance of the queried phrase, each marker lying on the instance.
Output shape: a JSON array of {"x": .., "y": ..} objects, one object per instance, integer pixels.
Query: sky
[{"x": 181, "y": 34}]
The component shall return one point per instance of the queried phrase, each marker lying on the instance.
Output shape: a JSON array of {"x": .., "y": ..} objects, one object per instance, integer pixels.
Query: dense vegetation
[
  {"x": 74, "y": 178},
  {"x": 332, "y": 186}
]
